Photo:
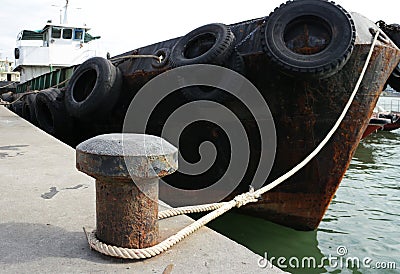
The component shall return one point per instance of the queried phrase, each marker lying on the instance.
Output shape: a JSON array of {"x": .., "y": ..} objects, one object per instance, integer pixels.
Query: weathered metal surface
[
  {"x": 127, "y": 155},
  {"x": 127, "y": 168},
  {"x": 126, "y": 215},
  {"x": 305, "y": 111}
]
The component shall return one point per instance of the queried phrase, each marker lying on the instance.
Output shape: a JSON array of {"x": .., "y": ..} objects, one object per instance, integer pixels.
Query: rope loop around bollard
[{"x": 218, "y": 208}]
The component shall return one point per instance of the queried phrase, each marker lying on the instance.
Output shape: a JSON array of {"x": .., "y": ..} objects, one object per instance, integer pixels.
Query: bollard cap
[{"x": 126, "y": 155}]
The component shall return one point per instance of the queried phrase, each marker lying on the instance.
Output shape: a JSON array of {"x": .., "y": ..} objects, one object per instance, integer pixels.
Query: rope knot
[{"x": 245, "y": 198}]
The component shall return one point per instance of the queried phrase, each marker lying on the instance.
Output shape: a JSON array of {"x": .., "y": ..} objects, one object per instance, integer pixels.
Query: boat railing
[
  {"x": 57, "y": 78},
  {"x": 392, "y": 106}
]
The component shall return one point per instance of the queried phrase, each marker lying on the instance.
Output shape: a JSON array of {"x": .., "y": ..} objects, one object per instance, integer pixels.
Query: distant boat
[
  {"x": 395, "y": 124},
  {"x": 47, "y": 57},
  {"x": 8, "y": 78},
  {"x": 374, "y": 125},
  {"x": 55, "y": 46},
  {"x": 382, "y": 120},
  {"x": 392, "y": 116}
]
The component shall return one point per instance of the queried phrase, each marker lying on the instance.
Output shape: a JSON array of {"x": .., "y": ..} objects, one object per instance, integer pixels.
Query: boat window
[
  {"x": 78, "y": 35},
  {"x": 30, "y": 35},
  {"x": 56, "y": 33},
  {"x": 67, "y": 34}
]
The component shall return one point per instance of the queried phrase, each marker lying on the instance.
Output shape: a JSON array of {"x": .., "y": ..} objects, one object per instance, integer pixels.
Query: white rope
[
  {"x": 19, "y": 98},
  {"x": 61, "y": 83},
  {"x": 188, "y": 209},
  {"x": 219, "y": 208},
  {"x": 158, "y": 58}
]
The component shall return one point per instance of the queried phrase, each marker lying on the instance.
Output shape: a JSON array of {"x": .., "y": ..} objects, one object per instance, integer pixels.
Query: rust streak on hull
[{"x": 304, "y": 117}]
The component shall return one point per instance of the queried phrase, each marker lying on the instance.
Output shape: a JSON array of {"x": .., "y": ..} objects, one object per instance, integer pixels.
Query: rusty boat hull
[
  {"x": 304, "y": 109},
  {"x": 304, "y": 119}
]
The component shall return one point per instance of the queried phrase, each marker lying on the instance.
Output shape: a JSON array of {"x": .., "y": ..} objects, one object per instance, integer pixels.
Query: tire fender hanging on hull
[
  {"x": 309, "y": 38},
  {"x": 208, "y": 44},
  {"x": 29, "y": 108},
  {"x": 51, "y": 113},
  {"x": 93, "y": 89}
]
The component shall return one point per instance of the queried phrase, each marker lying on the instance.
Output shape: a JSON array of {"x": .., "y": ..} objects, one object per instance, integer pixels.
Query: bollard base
[{"x": 127, "y": 212}]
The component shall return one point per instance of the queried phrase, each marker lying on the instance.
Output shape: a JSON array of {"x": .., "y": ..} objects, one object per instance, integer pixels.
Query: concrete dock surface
[{"x": 45, "y": 202}]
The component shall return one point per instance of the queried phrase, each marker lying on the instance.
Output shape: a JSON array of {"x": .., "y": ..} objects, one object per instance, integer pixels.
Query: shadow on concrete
[
  {"x": 11, "y": 151},
  {"x": 25, "y": 242}
]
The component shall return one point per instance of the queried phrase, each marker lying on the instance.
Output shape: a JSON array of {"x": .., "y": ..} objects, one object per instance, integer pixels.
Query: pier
[{"x": 46, "y": 201}]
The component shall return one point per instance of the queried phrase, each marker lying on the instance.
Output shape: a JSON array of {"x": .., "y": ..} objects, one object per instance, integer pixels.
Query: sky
[{"x": 127, "y": 25}]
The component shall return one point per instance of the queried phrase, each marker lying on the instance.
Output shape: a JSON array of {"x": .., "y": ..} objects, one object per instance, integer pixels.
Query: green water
[{"x": 363, "y": 220}]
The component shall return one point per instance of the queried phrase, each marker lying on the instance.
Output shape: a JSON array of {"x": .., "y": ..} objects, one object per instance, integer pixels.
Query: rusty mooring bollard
[{"x": 127, "y": 168}]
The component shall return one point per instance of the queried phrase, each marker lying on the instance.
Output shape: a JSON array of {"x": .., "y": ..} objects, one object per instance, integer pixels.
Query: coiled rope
[{"x": 219, "y": 208}]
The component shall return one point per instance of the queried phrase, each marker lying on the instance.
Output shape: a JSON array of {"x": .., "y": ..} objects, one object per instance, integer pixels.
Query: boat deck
[{"x": 45, "y": 203}]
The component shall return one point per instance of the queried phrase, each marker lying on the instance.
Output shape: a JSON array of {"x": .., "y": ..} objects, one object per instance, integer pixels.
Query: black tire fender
[
  {"x": 29, "y": 108},
  {"x": 51, "y": 114},
  {"x": 93, "y": 89},
  {"x": 394, "y": 79},
  {"x": 311, "y": 38},
  {"x": 396, "y": 71},
  {"x": 208, "y": 44},
  {"x": 16, "y": 107}
]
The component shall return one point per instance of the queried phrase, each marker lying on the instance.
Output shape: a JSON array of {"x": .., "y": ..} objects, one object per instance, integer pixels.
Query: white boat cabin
[{"x": 55, "y": 46}]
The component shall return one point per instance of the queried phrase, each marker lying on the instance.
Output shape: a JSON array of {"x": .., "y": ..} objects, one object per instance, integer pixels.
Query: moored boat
[
  {"x": 8, "y": 78},
  {"x": 375, "y": 124},
  {"x": 304, "y": 59},
  {"x": 393, "y": 118},
  {"x": 55, "y": 47},
  {"x": 394, "y": 123},
  {"x": 44, "y": 60}
]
